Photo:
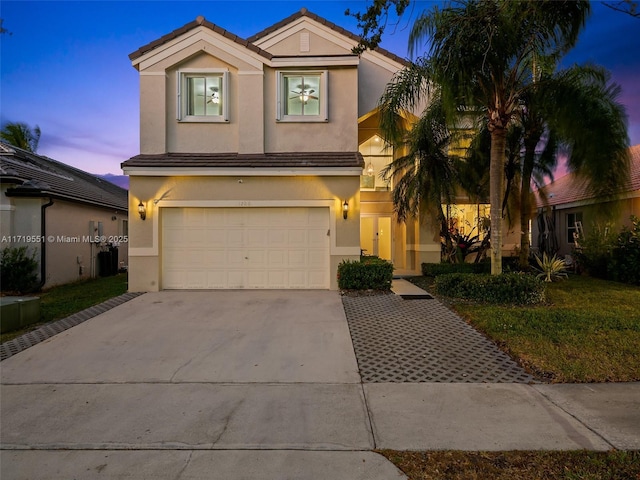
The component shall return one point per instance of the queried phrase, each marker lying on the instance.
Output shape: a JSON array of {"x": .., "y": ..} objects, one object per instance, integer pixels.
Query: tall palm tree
[
  {"x": 21, "y": 135},
  {"x": 575, "y": 110},
  {"x": 480, "y": 56}
]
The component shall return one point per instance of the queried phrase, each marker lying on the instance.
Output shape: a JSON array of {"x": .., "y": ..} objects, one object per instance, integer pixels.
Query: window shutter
[
  {"x": 225, "y": 96},
  {"x": 179, "y": 96},
  {"x": 278, "y": 96},
  {"x": 324, "y": 87}
]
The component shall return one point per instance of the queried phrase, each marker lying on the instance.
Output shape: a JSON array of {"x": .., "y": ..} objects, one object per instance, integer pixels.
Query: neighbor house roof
[
  {"x": 39, "y": 176},
  {"x": 323, "y": 21},
  {"x": 569, "y": 189},
  {"x": 261, "y": 160}
]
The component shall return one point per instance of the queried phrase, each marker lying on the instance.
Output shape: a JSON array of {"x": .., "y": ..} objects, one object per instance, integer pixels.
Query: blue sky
[{"x": 65, "y": 67}]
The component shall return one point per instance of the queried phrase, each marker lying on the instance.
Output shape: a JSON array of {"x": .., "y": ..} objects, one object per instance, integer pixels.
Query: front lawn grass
[
  {"x": 588, "y": 331},
  {"x": 60, "y": 302},
  {"x": 572, "y": 465}
]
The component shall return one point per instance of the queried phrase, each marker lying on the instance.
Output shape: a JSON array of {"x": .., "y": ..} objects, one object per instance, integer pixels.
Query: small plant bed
[
  {"x": 588, "y": 330},
  {"x": 517, "y": 465},
  {"x": 65, "y": 300}
]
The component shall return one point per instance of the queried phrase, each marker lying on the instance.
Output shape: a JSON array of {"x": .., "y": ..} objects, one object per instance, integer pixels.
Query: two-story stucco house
[{"x": 259, "y": 160}]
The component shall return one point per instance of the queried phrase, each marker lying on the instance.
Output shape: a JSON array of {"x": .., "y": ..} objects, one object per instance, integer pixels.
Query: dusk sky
[{"x": 65, "y": 66}]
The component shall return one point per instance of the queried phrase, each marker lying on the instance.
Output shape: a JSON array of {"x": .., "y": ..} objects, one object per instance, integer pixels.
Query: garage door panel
[
  {"x": 277, "y": 258},
  {"x": 245, "y": 248}
]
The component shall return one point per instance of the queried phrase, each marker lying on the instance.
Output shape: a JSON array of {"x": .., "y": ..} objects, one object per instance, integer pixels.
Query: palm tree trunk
[
  {"x": 496, "y": 187},
  {"x": 525, "y": 204}
]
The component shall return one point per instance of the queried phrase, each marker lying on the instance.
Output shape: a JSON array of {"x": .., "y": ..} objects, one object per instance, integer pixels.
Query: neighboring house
[
  {"x": 259, "y": 160},
  {"x": 566, "y": 208},
  {"x": 78, "y": 215}
]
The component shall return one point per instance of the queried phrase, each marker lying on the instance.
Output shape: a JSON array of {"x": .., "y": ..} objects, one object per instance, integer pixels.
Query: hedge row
[
  {"x": 513, "y": 288},
  {"x": 370, "y": 273}
]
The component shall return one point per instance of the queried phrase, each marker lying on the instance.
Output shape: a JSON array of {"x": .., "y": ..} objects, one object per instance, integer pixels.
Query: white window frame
[
  {"x": 182, "y": 97},
  {"x": 281, "y": 96}
]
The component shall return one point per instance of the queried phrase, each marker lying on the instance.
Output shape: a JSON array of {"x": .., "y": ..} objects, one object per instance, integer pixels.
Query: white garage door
[{"x": 207, "y": 248}]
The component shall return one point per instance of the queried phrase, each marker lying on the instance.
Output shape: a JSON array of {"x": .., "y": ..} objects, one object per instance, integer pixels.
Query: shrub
[
  {"x": 435, "y": 269},
  {"x": 625, "y": 255},
  {"x": 594, "y": 254},
  {"x": 514, "y": 288},
  {"x": 18, "y": 270},
  {"x": 367, "y": 274}
]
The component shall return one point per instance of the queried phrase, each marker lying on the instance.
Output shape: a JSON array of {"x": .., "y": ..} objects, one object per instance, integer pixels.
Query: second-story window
[
  {"x": 203, "y": 96},
  {"x": 302, "y": 96}
]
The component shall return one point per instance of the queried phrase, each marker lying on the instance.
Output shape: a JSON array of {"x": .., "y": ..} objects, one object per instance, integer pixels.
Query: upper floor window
[
  {"x": 203, "y": 95},
  {"x": 302, "y": 96}
]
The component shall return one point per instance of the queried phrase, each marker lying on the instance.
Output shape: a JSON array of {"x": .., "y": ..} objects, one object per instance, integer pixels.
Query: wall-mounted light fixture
[
  {"x": 142, "y": 210},
  {"x": 345, "y": 209}
]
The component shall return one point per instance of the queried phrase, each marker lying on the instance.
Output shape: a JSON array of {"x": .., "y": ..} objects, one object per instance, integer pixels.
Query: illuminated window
[
  {"x": 377, "y": 155},
  {"x": 302, "y": 96},
  {"x": 202, "y": 96}
]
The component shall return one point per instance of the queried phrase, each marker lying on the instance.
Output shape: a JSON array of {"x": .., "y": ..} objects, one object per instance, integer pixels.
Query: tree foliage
[{"x": 20, "y": 135}]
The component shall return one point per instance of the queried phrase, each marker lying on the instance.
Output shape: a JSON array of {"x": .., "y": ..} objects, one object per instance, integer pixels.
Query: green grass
[
  {"x": 60, "y": 302},
  {"x": 589, "y": 330},
  {"x": 572, "y": 465}
]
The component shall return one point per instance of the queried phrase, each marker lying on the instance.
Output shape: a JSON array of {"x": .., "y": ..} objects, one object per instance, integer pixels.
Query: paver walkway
[{"x": 398, "y": 340}]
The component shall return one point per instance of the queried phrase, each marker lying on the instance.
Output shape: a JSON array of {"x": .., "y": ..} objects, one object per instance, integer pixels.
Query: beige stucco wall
[
  {"x": 338, "y": 134},
  {"x": 318, "y": 45},
  {"x": 146, "y": 248},
  {"x": 70, "y": 256},
  {"x": 161, "y": 131}
]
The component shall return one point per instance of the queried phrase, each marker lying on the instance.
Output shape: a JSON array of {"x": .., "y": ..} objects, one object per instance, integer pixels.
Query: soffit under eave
[{"x": 218, "y": 42}]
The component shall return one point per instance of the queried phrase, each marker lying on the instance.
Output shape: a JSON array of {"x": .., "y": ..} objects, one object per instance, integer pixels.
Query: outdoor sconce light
[
  {"x": 142, "y": 210},
  {"x": 345, "y": 209}
]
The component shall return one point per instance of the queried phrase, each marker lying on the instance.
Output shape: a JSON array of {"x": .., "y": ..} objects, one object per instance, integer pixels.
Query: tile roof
[
  {"x": 569, "y": 189},
  {"x": 237, "y": 160},
  {"x": 39, "y": 176},
  {"x": 199, "y": 21},
  {"x": 306, "y": 13}
]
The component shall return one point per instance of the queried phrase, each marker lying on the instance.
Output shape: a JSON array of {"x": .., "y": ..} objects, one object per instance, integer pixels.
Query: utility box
[{"x": 18, "y": 312}]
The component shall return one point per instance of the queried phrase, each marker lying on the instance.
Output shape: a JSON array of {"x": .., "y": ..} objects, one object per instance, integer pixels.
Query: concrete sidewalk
[{"x": 262, "y": 384}]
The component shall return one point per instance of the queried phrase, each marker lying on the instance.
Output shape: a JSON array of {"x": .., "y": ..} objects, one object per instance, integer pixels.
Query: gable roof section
[
  {"x": 323, "y": 21},
  {"x": 569, "y": 189},
  {"x": 39, "y": 176},
  {"x": 199, "y": 21}
]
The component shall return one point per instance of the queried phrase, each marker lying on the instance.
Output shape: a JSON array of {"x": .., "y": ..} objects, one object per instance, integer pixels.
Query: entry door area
[
  {"x": 375, "y": 236},
  {"x": 211, "y": 248}
]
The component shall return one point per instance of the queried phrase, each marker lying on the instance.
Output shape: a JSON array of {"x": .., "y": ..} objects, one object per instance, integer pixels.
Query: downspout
[{"x": 43, "y": 247}]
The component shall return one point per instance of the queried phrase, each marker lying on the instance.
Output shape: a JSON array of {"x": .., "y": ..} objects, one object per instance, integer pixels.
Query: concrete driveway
[
  {"x": 222, "y": 384},
  {"x": 264, "y": 385}
]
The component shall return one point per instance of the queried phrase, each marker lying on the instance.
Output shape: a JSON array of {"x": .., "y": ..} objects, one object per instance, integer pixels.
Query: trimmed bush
[
  {"x": 18, "y": 270},
  {"x": 435, "y": 269},
  {"x": 513, "y": 288},
  {"x": 367, "y": 274}
]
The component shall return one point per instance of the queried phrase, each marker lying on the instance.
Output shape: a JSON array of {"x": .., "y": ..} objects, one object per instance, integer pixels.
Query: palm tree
[
  {"x": 480, "y": 56},
  {"x": 575, "y": 110},
  {"x": 21, "y": 135}
]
